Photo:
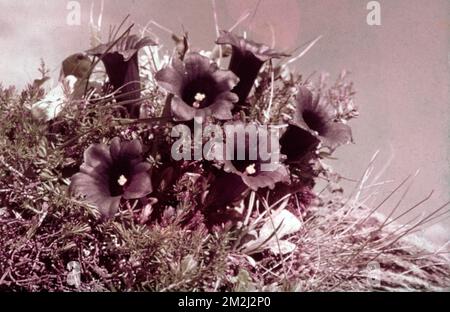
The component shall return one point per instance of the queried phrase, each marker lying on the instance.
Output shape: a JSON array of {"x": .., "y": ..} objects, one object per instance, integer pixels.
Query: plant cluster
[{"x": 87, "y": 174}]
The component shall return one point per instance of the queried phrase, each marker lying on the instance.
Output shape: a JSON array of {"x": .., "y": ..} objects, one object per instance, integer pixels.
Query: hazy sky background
[{"x": 400, "y": 68}]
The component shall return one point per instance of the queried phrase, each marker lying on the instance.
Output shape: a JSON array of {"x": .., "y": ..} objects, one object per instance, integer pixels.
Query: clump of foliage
[{"x": 195, "y": 225}]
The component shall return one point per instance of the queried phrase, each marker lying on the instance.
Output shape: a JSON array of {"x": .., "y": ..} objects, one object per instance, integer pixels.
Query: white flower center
[
  {"x": 250, "y": 169},
  {"x": 198, "y": 98},
  {"x": 122, "y": 180}
]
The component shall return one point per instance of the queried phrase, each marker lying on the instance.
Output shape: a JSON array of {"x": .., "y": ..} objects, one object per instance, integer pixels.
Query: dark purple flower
[
  {"x": 109, "y": 174},
  {"x": 319, "y": 119},
  {"x": 242, "y": 173},
  {"x": 247, "y": 58},
  {"x": 199, "y": 87},
  {"x": 297, "y": 143},
  {"x": 122, "y": 66},
  {"x": 225, "y": 189},
  {"x": 254, "y": 171}
]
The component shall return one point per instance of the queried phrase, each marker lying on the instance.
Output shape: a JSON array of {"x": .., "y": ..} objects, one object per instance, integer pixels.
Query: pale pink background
[{"x": 400, "y": 68}]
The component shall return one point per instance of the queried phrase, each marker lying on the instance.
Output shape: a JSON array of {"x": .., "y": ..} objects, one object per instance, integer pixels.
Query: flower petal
[
  {"x": 109, "y": 206},
  {"x": 171, "y": 80},
  {"x": 181, "y": 111},
  {"x": 125, "y": 151},
  {"x": 97, "y": 155},
  {"x": 261, "y": 51},
  {"x": 225, "y": 189},
  {"x": 141, "y": 167},
  {"x": 99, "y": 173},
  {"x": 131, "y": 150},
  {"x": 336, "y": 134},
  {"x": 223, "y": 105},
  {"x": 296, "y": 143},
  {"x": 84, "y": 184},
  {"x": 266, "y": 178},
  {"x": 126, "y": 46},
  {"x": 227, "y": 37},
  {"x": 226, "y": 80},
  {"x": 304, "y": 101},
  {"x": 197, "y": 65},
  {"x": 115, "y": 148},
  {"x": 140, "y": 186}
]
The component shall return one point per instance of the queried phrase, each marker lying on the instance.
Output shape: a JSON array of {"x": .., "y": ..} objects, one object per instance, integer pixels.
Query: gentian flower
[
  {"x": 247, "y": 58},
  {"x": 225, "y": 189},
  {"x": 242, "y": 173},
  {"x": 296, "y": 143},
  {"x": 255, "y": 172},
  {"x": 319, "y": 119},
  {"x": 122, "y": 67},
  {"x": 109, "y": 174},
  {"x": 199, "y": 88}
]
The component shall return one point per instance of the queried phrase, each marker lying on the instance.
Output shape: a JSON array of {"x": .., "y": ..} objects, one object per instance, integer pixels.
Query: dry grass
[{"x": 345, "y": 245}]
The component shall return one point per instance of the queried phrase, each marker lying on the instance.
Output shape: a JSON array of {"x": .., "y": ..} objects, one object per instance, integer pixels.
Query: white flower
[
  {"x": 281, "y": 224},
  {"x": 55, "y": 100}
]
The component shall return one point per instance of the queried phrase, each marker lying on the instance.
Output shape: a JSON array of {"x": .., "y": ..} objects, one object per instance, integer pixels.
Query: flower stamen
[
  {"x": 122, "y": 180},
  {"x": 199, "y": 97},
  {"x": 250, "y": 169}
]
